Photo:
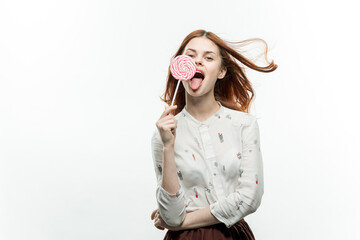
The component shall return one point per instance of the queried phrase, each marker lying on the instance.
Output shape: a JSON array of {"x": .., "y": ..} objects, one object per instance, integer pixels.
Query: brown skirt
[{"x": 240, "y": 230}]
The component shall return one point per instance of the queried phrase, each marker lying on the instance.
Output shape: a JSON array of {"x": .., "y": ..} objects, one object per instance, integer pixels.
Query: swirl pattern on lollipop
[{"x": 183, "y": 68}]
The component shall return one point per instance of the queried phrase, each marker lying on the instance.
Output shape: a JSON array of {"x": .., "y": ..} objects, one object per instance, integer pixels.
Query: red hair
[{"x": 233, "y": 90}]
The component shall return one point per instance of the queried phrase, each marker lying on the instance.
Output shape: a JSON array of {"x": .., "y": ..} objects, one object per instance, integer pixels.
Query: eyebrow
[{"x": 205, "y": 51}]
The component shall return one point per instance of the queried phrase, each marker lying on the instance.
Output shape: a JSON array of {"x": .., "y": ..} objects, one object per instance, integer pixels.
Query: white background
[{"x": 79, "y": 97}]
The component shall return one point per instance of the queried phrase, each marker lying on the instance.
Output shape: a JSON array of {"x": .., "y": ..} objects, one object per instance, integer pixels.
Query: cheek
[{"x": 214, "y": 71}]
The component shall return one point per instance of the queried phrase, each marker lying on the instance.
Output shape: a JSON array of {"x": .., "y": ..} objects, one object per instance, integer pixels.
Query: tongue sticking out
[{"x": 195, "y": 83}]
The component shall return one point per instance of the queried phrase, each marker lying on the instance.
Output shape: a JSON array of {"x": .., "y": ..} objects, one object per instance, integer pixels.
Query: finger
[
  {"x": 164, "y": 125},
  {"x": 164, "y": 119},
  {"x": 167, "y": 110},
  {"x": 169, "y": 127},
  {"x": 170, "y": 121},
  {"x": 157, "y": 223},
  {"x": 159, "y": 227},
  {"x": 170, "y": 110},
  {"x": 153, "y": 214}
]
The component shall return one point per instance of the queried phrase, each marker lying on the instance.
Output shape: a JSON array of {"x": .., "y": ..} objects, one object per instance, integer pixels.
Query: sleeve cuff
[
  {"x": 171, "y": 206},
  {"x": 229, "y": 218},
  {"x": 169, "y": 196}
]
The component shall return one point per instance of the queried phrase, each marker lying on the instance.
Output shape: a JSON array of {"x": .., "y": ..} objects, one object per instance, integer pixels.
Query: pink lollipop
[{"x": 182, "y": 68}]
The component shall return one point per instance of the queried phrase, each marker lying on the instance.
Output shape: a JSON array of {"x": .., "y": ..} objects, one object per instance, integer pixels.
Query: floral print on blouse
[{"x": 219, "y": 164}]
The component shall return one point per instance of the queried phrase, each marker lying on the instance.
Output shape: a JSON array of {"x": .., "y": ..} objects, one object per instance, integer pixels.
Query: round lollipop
[{"x": 182, "y": 68}]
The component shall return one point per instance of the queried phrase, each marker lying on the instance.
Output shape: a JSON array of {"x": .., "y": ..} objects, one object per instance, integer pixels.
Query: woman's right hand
[{"x": 167, "y": 126}]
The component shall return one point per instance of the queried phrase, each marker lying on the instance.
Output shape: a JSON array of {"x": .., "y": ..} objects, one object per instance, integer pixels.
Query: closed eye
[{"x": 208, "y": 58}]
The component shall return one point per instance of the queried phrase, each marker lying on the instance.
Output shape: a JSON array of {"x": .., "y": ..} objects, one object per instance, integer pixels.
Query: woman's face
[{"x": 208, "y": 61}]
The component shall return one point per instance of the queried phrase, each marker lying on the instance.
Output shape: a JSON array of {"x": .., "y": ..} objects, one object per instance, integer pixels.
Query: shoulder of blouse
[
  {"x": 239, "y": 117},
  {"x": 178, "y": 115}
]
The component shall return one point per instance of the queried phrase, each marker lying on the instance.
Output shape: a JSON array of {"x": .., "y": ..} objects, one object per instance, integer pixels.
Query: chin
[{"x": 196, "y": 93}]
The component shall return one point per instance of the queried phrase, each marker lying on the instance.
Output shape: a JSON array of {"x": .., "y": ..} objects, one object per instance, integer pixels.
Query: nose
[{"x": 198, "y": 60}]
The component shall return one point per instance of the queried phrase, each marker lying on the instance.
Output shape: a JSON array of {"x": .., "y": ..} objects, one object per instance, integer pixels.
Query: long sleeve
[
  {"x": 171, "y": 206},
  {"x": 250, "y": 185}
]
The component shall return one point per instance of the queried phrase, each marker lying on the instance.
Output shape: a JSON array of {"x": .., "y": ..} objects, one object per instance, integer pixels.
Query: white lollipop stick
[{"x": 177, "y": 86}]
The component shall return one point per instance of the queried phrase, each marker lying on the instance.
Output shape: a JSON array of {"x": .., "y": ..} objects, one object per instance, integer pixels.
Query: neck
[{"x": 201, "y": 108}]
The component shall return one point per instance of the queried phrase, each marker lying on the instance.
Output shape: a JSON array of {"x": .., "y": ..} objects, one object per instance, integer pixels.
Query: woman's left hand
[{"x": 159, "y": 222}]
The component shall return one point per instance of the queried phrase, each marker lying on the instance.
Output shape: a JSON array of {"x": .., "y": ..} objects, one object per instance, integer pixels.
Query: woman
[{"x": 207, "y": 154}]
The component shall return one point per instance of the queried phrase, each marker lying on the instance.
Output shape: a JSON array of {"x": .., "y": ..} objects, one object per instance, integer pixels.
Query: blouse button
[
  {"x": 214, "y": 174},
  {"x": 216, "y": 164}
]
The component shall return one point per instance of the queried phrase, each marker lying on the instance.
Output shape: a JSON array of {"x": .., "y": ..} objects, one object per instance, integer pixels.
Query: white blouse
[{"x": 219, "y": 164}]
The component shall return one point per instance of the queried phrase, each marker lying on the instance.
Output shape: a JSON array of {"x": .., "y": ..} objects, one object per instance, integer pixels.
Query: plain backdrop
[{"x": 80, "y": 83}]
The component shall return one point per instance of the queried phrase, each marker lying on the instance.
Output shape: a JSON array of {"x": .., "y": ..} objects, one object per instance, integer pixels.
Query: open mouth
[
  {"x": 199, "y": 74},
  {"x": 196, "y": 81}
]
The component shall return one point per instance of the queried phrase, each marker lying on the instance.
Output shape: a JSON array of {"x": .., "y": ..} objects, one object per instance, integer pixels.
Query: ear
[{"x": 222, "y": 73}]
